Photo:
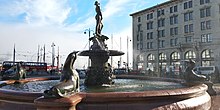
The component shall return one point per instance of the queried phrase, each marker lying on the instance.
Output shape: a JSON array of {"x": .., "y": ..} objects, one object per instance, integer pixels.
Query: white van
[{"x": 209, "y": 71}]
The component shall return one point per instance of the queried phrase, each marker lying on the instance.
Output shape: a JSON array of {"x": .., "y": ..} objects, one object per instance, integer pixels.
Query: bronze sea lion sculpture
[
  {"x": 69, "y": 80},
  {"x": 16, "y": 72},
  {"x": 191, "y": 77}
]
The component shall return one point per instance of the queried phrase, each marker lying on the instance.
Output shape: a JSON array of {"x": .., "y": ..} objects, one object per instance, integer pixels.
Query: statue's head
[{"x": 96, "y": 3}]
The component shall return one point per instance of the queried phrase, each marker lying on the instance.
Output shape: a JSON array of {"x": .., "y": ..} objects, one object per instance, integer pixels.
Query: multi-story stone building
[{"x": 171, "y": 32}]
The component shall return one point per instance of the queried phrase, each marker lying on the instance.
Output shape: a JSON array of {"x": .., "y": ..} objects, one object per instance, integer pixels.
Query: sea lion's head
[{"x": 70, "y": 60}]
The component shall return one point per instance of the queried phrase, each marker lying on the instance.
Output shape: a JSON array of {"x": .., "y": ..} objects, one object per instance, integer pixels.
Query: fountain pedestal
[{"x": 100, "y": 71}]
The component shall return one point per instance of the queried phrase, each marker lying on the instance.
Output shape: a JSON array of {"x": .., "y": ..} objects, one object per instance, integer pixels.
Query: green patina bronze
[
  {"x": 99, "y": 72},
  {"x": 69, "y": 80}
]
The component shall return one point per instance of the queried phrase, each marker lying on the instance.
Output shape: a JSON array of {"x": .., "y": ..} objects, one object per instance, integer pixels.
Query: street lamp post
[
  {"x": 89, "y": 30},
  {"x": 53, "y": 54}
]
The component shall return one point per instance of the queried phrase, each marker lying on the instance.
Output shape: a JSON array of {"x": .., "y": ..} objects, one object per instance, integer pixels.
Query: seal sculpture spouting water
[
  {"x": 16, "y": 72},
  {"x": 69, "y": 80},
  {"x": 190, "y": 76}
]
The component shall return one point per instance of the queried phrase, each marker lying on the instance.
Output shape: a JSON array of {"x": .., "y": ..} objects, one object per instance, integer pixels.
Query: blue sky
[{"x": 29, "y": 23}]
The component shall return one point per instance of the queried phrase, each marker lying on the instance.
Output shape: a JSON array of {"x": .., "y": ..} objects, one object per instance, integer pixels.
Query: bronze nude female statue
[{"x": 98, "y": 18}]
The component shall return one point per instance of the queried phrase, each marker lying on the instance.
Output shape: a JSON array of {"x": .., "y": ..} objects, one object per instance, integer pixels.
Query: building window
[
  {"x": 149, "y": 16},
  {"x": 185, "y": 5},
  {"x": 138, "y": 46},
  {"x": 175, "y": 56},
  {"x": 174, "y": 19},
  {"x": 150, "y": 25},
  {"x": 188, "y": 16},
  {"x": 203, "y": 26},
  {"x": 141, "y": 46},
  {"x": 206, "y": 25},
  {"x": 141, "y": 36},
  {"x": 205, "y": 38},
  {"x": 188, "y": 39},
  {"x": 202, "y": 13},
  {"x": 188, "y": 4},
  {"x": 161, "y": 33},
  {"x": 173, "y": 42},
  {"x": 174, "y": 31},
  {"x": 161, "y": 43},
  {"x": 161, "y": 22},
  {"x": 139, "y": 27},
  {"x": 205, "y": 12},
  {"x": 206, "y": 54},
  {"x": 150, "y": 35},
  {"x": 219, "y": 8},
  {"x": 188, "y": 28},
  {"x": 139, "y": 19},
  {"x": 150, "y": 57},
  {"x": 190, "y": 55},
  {"x": 149, "y": 45},
  {"x": 160, "y": 12},
  {"x": 173, "y": 9},
  {"x": 204, "y": 2},
  {"x": 140, "y": 58},
  {"x": 162, "y": 56}
]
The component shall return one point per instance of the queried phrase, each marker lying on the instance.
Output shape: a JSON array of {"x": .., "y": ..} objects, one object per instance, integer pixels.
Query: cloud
[
  {"x": 27, "y": 38},
  {"x": 38, "y": 12},
  {"x": 113, "y": 7},
  {"x": 30, "y": 23},
  {"x": 109, "y": 11}
]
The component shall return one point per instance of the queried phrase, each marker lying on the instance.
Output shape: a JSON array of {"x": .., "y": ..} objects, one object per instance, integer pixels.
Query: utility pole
[
  {"x": 112, "y": 49},
  {"x": 89, "y": 30},
  {"x": 53, "y": 54},
  {"x": 127, "y": 52},
  {"x": 44, "y": 55},
  {"x": 58, "y": 59},
  {"x": 14, "y": 55},
  {"x": 38, "y": 56},
  {"x": 120, "y": 56},
  {"x": 41, "y": 54},
  {"x": 158, "y": 47}
]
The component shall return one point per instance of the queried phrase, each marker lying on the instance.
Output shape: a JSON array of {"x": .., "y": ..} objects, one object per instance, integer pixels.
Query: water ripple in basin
[{"x": 121, "y": 85}]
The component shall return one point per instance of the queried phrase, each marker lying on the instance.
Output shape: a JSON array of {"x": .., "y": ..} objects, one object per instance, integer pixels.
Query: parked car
[
  {"x": 134, "y": 72},
  {"x": 119, "y": 71},
  {"x": 211, "y": 72}
]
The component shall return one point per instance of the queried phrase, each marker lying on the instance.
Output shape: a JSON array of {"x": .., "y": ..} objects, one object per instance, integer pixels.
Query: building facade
[{"x": 167, "y": 34}]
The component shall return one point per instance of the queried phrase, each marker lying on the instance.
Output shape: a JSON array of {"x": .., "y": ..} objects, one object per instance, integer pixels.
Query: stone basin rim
[{"x": 36, "y": 99}]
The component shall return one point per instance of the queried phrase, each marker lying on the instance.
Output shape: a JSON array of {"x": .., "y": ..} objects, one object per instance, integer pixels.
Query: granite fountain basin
[{"x": 185, "y": 97}]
